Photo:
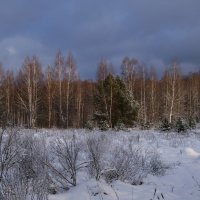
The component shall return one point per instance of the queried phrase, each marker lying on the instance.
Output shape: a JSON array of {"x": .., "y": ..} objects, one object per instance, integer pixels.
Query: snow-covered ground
[{"x": 180, "y": 152}]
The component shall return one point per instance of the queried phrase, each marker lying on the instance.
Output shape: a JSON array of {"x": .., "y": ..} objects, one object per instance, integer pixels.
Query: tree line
[{"x": 56, "y": 96}]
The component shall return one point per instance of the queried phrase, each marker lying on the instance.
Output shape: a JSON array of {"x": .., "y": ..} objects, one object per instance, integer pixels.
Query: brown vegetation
[{"x": 57, "y": 97}]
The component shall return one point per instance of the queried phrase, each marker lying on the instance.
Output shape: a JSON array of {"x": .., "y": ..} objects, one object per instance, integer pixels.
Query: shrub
[
  {"x": 165, "y": 125},
  {"x": 89, "y": 125},
  {"x": 110, "y": 175},
  {"x": 191, "y": 123},
  {"x": 180, "y": 126},
  {"x": 134, "y": 164},
  {"x": 120, "y": 126},
  {"x": 23, "y": 173},
  {"x": 145, "y": 125},
  {"x": 65, "y": 167},
  {"x": 156, "y": 165},
  {"x": 96, "y": 148},
  {"x": 129, "y": 164},
  {"x": 33, "y": 166},
  {"x": 10, "y": 149},
  {"x": 103, "y": 125}
]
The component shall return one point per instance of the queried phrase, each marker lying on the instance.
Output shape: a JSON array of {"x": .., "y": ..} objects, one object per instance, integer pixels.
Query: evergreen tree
[
  {"x": 180, "y": 126},
  {"x": 113, "y": 103},
  {"x": 191, "y": 123},
  {"x": 165, "y": 125}
]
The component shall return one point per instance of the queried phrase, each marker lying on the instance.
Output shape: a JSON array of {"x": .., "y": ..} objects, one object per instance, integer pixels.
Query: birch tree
[
  {"x": 59, "y": 67},
  {"x": 142, "y": 76},
  {"x": 78, "y": 104},
  {"x": 129, "y": 73},
  {"x": 153, "y": 84},
  {"x": 50, "y": 86},
  {"x": 2, "y": 93},
  {"x": 71, "y": 76},
  {"x": 174, "y": 94},
  {"x": 28, "y": 94}
]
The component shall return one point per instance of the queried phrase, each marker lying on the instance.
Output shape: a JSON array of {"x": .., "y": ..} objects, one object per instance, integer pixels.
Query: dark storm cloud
[{"x": 153, "y": 31}]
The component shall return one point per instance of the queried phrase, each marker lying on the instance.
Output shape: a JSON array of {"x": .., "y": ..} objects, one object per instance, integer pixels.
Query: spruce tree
[
  {"x": 180, "y": 126},
  {"x": 165, "y": 125}
]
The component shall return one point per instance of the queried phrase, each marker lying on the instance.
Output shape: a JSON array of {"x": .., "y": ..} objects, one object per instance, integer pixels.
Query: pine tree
[{"x": 113, "y": 102}]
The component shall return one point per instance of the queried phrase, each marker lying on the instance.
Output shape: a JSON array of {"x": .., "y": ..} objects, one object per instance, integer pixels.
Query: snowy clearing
[
  {"x": 91, "y": 165},
  {"x": 180, "y": 152}
]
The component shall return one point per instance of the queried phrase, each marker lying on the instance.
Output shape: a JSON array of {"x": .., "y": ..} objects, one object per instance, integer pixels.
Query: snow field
[{"x": 181, "y": 153}]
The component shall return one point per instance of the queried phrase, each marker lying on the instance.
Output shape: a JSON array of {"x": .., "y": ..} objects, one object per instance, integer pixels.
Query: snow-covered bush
[
  {"x": 129, "y": 164},
  {"x": 9, "y": 159},
  {"x": 96, "y": 148},
  {"x": 22, "y": 172},
  {"x": 134, "y": 164},
  {"x": 33, "y": 166},
  {"x": 14, "y": 186},
  {"x": 155, "y": 165},
  {"x": 109, "y": 175},
  {"x": 65, "y": 164},
  {"x": 27, "y": 174}
]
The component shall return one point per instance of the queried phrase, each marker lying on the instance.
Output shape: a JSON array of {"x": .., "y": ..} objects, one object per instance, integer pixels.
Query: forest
[
  {"x": 55, "y": 96},
  {"x": 66, "y": 138}
]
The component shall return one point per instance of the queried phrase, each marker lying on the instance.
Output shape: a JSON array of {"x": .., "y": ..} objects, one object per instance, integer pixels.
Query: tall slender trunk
[
  {"x": 111, "y": 103},
  {"x": 67, "y": 101},
  {"x": 60, "y": 93},
  {"x": 49, "y": 90},
  {"x": 173, "y": 94},
  {"x": 144, "y": 97},
  {"x": 152, "y": 98}
]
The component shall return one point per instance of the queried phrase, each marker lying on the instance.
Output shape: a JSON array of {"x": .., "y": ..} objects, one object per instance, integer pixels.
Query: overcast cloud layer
[{"x": 153, "y": 31}]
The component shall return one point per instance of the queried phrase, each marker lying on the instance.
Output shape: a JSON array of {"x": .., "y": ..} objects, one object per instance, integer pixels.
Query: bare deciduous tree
[
  {"x": 129, "y": 73},
  {"x": 59, "y": 66},
  {"x": 28, "y": 93},
  {"x": 70, "y": 77}
]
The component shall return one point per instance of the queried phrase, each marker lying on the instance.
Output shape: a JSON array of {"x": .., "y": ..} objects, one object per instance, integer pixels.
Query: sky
[{"x": 152, "y": 31}]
